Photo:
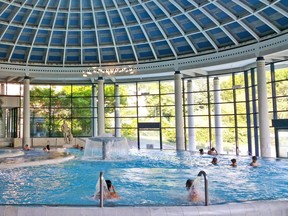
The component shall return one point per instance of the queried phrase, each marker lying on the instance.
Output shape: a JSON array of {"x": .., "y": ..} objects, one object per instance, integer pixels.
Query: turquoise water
[{"x": 147, "y": 178}]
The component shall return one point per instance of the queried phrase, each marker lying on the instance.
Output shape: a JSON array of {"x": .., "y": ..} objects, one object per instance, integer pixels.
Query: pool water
[{"x": 146, "y": 178}]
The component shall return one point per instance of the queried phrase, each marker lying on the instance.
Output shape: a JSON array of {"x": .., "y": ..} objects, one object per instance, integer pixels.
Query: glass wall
[
  {"x": 153, "y": 102},
  {"x": 52, "y": 104}
]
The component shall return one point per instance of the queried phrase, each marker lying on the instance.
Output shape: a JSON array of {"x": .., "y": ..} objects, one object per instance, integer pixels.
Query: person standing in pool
[
  {"x": 112, "y": 194},
  {"x": 193, "y": 194},
  {"x": 212, "y": 151},
  {"x": 26, "y": 147},
  {"x": 254, "y": 162},
  {"x": 109, "y": 191},
  {"x": 201, "y": 151},
  {"x": 234, "y": 163},
  {"x": 214, "y": 161}
]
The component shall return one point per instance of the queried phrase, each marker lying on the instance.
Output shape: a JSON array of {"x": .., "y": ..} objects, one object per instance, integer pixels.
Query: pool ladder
[
  {"x": 101, "y": 190},
  {"x": 199, "y": 174},
  {"x": 205, "y": 185}
]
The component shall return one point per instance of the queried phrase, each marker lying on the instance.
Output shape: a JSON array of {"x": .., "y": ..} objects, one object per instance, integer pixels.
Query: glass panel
[
  {"x": 167, "y": 87},
  {"x": 82, "y": 127},
  {"x": 227, "y": 108},
  {"x": 228, "y": 121},
  {"x": 239, "y": 80},
  {"x": 241, "y": 108},
  {"x": 148, "y": 100},
  {"x": 226, "y": 96},
  {"x": 202, "y": 138},
  {"x": 128, "y": 112},
  {"x": 282, "y": 88},
  {"x": 81, "y": 91},
  {"x": 13, "y": 89},
  {"x": 168, "y": 121},
  {"x": 168, "y": 111},
  {"x": 201, "y": 121},
  {"x": 200, "y": 97},
  {"x": 131, "y": 136},
  {"x": 168, "y": 138},
  {"x": 146, "y": 88},
  {"x": 240, "y": 94},
  {"x": 283, "y": 115},
  {"x": 242, "y": 120},
  {"x": 128, "y": 101},
  {"x": 229, "y": 142},
  {"x": 168, "y": 99},
  {"x": 272, "y": 141},
  {"x": 127, "y": 89},
  {"x": 110, "y": 123},
  {"x": 109, "y": 112},
  {"x": 283, "y": 142},
  {"x": 201, "y": 109},
  {"x": 61, "y": 113},
  {"x": 150, "y": 139},
  {"x": 82, "y": 102},
  {"x": 61, "y": 102},
  {"x": 128, "y": 122},
  {"x": 81, "y": 112},
  {"x": 109, "y": 90},
  {"x": 149, "y": 119},
  {"x": 40, "y": 91},
  {"x": 62, "y": 91},
  {"x": 242, "y": 141}
]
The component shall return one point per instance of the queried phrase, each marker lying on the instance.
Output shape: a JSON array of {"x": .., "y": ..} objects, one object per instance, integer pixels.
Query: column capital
[
  {"x": 216, "y": 78},
  {"x": 177, "y": 72},
  {"x": 100, "y": 78},
  {"x": 260, "y": 58}
]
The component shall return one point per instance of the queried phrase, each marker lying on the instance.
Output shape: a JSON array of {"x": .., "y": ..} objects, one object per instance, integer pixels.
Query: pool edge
[{"x": 263, "y": 208}]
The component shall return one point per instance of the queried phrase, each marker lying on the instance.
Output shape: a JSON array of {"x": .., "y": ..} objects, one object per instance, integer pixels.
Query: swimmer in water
[
  {"x": 193, "y": 195},
  {"x": 234, "y": 163},
  {"x": 214, "y": 161},
  {"x": 254, "y": 162},
  {"x": 112, "y": 191}
]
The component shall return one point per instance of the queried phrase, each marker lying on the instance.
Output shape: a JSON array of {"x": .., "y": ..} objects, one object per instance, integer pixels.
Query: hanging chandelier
[{"x": 95, "y": 71}]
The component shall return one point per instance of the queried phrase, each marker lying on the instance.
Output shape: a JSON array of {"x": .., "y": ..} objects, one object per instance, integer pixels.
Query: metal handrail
[
  {"x": 206, "y": 185},
  {"x": 101, "y": 190}
]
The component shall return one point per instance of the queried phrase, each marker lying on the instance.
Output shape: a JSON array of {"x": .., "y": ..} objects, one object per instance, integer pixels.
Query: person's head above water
[
  {"x": 189, "y": 183},
  {"x": 254, "y": 158},
  {"x": 214, "y": 161},
  {"x": 109, "y": 184}
]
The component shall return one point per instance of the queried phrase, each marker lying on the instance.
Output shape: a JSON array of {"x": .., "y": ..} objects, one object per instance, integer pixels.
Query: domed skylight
[{"x": 104, "y": 32}]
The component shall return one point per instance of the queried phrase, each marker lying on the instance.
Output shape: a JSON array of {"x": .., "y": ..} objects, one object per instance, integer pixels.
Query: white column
[
  {"x": 101, "y": 112},
  {"x": 264, "y": 131},
  {"x": 117, "y": 111},
  {"x": 217, "y": 113},
  {"x": 94, "y": 110},
  {"x": 179, "y": 112},
  {"x": 191, "y": 130},
  {"x": 3, "y": 118},
  {"x": 26, "y": 113}
]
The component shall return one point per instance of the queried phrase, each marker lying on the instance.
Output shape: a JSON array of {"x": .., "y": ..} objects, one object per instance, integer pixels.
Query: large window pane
[
  {"x": 167, "y": 87},
  {"x": 128, "y": 112}
]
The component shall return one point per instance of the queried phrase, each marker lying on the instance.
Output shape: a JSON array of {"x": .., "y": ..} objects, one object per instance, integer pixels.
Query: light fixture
[{"x": 113, "y": 71}]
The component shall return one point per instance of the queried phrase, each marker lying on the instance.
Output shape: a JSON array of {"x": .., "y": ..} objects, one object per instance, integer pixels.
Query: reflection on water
[{"x": 145, "y": 178}]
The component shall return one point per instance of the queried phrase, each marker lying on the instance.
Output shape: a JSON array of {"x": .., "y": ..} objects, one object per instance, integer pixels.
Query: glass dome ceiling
[{"x": 105, "y": 32}]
